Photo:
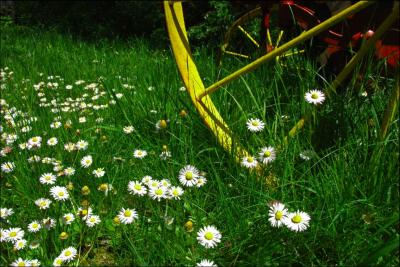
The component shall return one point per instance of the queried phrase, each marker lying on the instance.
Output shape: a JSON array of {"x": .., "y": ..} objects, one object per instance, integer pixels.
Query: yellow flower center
[
  {"x": 42, "y": 203},
  {"x": 175, "y": 192},
  {"x": 267, "y": 153},
  {"x": 127, "y": 213},
  {"x": 34, "y": 139},
  {"x": 278, "y": 215},
  {"x": 159, "y": 192},
  {"x": 255, "y": 123},
  {"x": 61, "y": 193},
  {"x": 13, "y": 234},
  {"x": 67, "y": 253},
  {"x": 21, "y": 263},
  {"x": 250, "y": 159},
  {"x": 209, "y": 236},
  {"x": 92, "y": 220},
  {"x": 139, "y": 153},
  {"x": 314, "y": 96},
  {"x": 48, "y": 178},
  {"x": 138, "y": 187},
  {"x": 296, "y": 218},
  {"x": 103, "y": 187},
  {"x": 189, "y": 176},
  {"x": 35, "y": 225},
  {"x": 59, "y": 261}
]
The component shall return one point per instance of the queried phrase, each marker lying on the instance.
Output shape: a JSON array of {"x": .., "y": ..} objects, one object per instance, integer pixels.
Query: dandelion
[
  {"x": 188, "y": 175},
  {"x": 68, "y": 218},
  {"x": 315, "y": 97},
  {"x": 81, "y": 145},
  {"x": 93, "y": 220},
  {"x": 7, "y": 167},
  {"x": 139, "y": 154},
  {"x": 277, "y": 214},
  {"x": 5, "y": 212},
  {"x": 86, "y": 161},
  {"x": 128, "y": 129},
  {"x": 158, "y": 193},
  {"x": 99, "y": 172},
  {"x": 175, "y": 192},
  {"x": 47, "y": 178},
  {"x": 297, "y": 221},
  {"x": 68, "y": 254},
  {"x": 267, "y": 155},
  {"x": 20, "y": 244},
  {"x": 209, "y": 236},
  {"x": 14, "y": 234},
  {"x": 206, "y": 263},
  {"x": 34, "y": 227},
  {"x": 136, "y": 188},
  {"x": 43, "y": 203},
  {"x": 59, "y": 193},
  {"x": 127, "y": 216},
  {"x": 255, "y": 125},
  {"x": 52, "y": 141},
  {"x": 249, "y": 162}
]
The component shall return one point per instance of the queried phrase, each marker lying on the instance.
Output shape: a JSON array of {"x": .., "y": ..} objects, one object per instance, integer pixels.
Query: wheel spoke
[
  {"x": 248, "y": 35},
  {"x": 236, "y": 54}
]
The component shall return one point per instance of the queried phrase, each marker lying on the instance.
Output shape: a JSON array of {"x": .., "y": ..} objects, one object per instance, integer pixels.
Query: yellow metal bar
[
  {"x": 364, "y": 49},
  {"x": 279, "y": 38},
  {"x": 390, "y": 110},
  {"x": 236, "y": 54},
  {"x": 248, "y": 36},
  {"x": 301, "y": 38},
  {"x": 269, "y": 37},
  {"x": 291, "y": 53},
  {"x": 192, "y": 80}
]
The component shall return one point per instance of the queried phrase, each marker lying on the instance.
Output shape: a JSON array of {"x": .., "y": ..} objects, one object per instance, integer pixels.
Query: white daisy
[
  {"x": 69, "y": 171},
  {"x": 14, "y": 234},
  {"x": 58, "y": 261},
  {"x": 267, "y": 154},
  {"x": 55, "y": 125},
  {"x": 34, "y": 142},
  {"x": 34, "y": 227},
  {"x": 48, "y": 223},
  {"x": 92, "y": 220},
  {"x": 255, "y": 125},
  {"x": 47, "y": 178},
  {"x": 81, "y": 145},
  {"x": 127, "y": 216},
  {"x": 209, "y": 236},
  {"x": 154, "y": 184},
  {"x": 59, "y": 193},
  {"x": 3, "y": 235},
  {"x": 297, "y": 221},
  {"x": 201, "y": 180},
  {"x": 20, "y": 262},
  {"x": 206, "y": 263},
  {"x": 34, "y": 262},
  {"x": 315, "y": 97},
  {"x": 5, "y": 212},
  {"x": 139, "y": 154},
  {"x": 43, "y": 203},
  {"x": 68, "y": 254},
  {"x": 137, "y": 188},
  {"x": 52, "y": 141},
  {"x": 20, "y": 244},
  {"x": 7, "y": 167},
  {"x": 68, "y": 218},
  {"x": 277, "y": 214},
  {"x": 158, "y": 193},
  {"x": 70, "y": 147},
  {"x": 86, "y": 161},
  {"x": 249, "y": 162},
  {"x": 188, "y": 175},
  {"x": 175, "y": 192},
  {"x": 99, "y": 172},
  {"x": 128, "y": 129}
]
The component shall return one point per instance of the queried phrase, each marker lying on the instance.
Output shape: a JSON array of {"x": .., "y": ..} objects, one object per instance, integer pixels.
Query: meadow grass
[{"x": 349, "y": 186}]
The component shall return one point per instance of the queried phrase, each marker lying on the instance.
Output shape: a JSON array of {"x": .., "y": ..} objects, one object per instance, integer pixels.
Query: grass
[{"x": 349, "y": 187}]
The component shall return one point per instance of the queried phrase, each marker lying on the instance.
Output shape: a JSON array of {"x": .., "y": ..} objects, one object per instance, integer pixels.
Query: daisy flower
[
  {"x": 128, "y": 129},
  {"x": 69, "y": 171},
  {"x": 20, "y": 262},
  {"x": 267, "y": 154},
  {"x": 14, "y": 234},
  {"x": 315, "y": 97},
  {"x": 48, "y": 223},
  {"x": 206, "y": 263},
  {"x": 34, "y": 227},
  {"x": 68, "y": 218},
  {"x": 209, "y": 236},
  {"x": 188, "y": 175},
  {"x": 127, "y": 216},
  {"x": 3, "y": 235},
  {"x": 165, "y": 155},
  {"x": 68, "y": 254},
  {"x": 34, "y": 142},
  {"x": 175, "y": 192},
  {"x": 255, "y": 125},
  {"x": 69, "y": 147},
  {"x": 201, "y": 181},
  {"x": 297, "y": 221},
  {"x": 158, "y": 193},
  {"x": 34, "y": 262},
  {"x": 81, "y": 145},
  {"x": 59, "y": 193},
  {"x": 7, "y": 167},
  {"x": 52, "y": 141},
  {"x": 147, "y": 179},
  {"x": 20, "y": 244},
  {"x": 277, "y": 214},
  {"x": 47, "y": 178},
  {"x": 154, "y": 184},
  {"x": 165, "y": 183},
  {"x": 5, "y": 212},
  {"x": 99, "y": 172},
  {"x": 55, "y": 125},
  {"x": 86, "y": 161},
  {"x": 93, "y": 220},
  {"x": 139, "y": 154},
  {"x": 249, "y": 162},
  {"x": 136, "y": 188},
  {"x": 58, "y": 261},
  {"x": 43, "y": 203}
]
